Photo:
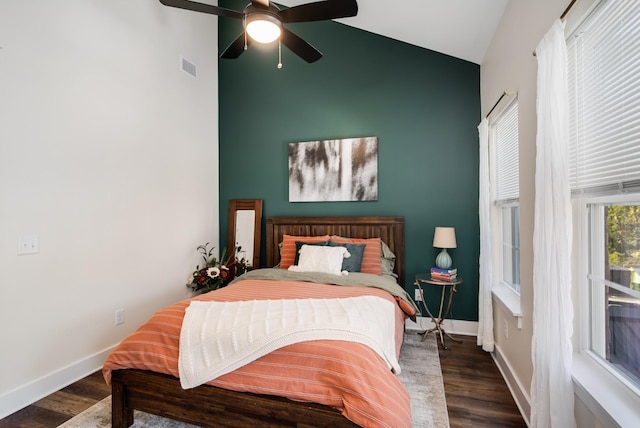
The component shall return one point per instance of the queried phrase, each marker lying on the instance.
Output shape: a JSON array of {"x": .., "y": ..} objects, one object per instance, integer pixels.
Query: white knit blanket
[{"x": 219, "y": 337}]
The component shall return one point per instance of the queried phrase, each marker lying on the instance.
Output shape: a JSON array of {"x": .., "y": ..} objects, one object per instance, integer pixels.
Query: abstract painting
[{"x": 334, "y": 170}]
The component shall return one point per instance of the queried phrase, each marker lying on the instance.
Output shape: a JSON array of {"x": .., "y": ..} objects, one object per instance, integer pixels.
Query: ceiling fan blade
[
  {"x": 201, "y": 7},
  {"x": 320, "y": 11},
  {"x": 298, "y": 46},
  {"x": 235, "y": 49}
]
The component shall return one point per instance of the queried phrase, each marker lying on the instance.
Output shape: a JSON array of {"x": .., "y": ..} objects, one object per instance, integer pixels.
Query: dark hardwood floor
[
  {"x": 476, "y": 394},
  {"x": 60, "y": 406}
]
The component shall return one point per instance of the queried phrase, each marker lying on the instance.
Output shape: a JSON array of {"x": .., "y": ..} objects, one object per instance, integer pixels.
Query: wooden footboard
[{"x": 208, "y": 406}]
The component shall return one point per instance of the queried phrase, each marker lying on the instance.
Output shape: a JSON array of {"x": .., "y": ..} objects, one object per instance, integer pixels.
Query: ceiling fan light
[{"x": 263, "y": 28}]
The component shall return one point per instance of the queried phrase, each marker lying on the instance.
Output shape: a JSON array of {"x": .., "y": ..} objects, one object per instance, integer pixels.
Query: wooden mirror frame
[{"x": 255, "y": 205}]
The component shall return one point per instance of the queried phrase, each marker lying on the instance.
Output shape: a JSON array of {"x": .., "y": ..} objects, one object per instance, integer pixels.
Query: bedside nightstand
[{"x": 442, "y": 311}]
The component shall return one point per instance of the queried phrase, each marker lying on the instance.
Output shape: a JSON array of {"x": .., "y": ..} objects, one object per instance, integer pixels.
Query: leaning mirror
[{"x": 245, "y": 220}]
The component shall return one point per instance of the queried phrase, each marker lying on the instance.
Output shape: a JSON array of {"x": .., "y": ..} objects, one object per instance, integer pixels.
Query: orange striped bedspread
[{"x": 348, "y": 376}]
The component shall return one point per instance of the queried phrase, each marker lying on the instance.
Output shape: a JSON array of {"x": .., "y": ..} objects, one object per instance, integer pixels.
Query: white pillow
[{"x": 314, "y": 258}]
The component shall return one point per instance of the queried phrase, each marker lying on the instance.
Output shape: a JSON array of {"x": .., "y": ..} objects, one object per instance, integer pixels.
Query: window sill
[
  {"x": 612, "y": 402},
  {"x": 509, "y": 300}
]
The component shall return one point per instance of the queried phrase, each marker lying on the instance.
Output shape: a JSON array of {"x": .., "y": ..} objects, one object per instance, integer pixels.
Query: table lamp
[{"x": 444, "y": 237}]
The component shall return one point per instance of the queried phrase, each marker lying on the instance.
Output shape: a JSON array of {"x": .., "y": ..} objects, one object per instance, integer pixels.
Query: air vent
[{"x": 188, "y": 67}]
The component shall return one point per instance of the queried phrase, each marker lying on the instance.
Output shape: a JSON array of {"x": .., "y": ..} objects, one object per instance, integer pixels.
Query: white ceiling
[{"x": 459, "y": 28}]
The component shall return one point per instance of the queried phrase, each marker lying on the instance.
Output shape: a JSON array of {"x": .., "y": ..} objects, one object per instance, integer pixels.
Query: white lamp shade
[{"x": 444, "y": 237}]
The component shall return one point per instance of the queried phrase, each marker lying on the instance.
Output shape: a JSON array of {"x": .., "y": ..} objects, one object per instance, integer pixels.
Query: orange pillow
[
  {"x": 372, "y": 253},
  {"x": 288, "y": 251}
]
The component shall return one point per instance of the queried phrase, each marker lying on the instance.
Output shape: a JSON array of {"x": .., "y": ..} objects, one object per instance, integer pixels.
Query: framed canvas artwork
[{"x": 334, "y": 170}]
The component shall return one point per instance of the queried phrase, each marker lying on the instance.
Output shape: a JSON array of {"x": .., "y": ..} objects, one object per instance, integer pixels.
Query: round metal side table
[{"x": 442, "y": 311}]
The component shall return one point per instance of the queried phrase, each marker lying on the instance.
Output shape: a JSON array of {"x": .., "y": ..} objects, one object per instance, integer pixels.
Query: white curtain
[
  {"x": 551, "y": 387},
  {"x": 485, "y": 308}
]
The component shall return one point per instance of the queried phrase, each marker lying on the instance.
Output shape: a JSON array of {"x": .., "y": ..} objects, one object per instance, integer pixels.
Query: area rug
[{"x": 421, "y": 375}]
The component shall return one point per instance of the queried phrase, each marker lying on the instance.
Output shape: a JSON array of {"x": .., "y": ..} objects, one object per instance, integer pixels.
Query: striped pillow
[
  {"x": 372, "y": 253},
  {"x": 288, "y": 252}
]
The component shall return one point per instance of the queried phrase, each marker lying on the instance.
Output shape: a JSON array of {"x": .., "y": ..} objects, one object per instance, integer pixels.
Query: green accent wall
[{"x": 423, "y": 106}]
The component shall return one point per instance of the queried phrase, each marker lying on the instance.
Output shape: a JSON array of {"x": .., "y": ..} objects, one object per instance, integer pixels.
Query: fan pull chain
[{"x": 279, "y": 54}]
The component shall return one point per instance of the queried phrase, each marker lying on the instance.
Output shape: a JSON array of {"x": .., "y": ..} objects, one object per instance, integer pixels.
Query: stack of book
[{"x": 444, "y": 274}]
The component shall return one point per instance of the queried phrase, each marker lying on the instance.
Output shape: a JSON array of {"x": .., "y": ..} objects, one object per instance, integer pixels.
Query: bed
[{"x": 229, "y": 400}]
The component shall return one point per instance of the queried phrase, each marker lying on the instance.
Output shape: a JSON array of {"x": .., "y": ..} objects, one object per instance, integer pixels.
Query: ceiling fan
[{"x": 264, "y": 22}]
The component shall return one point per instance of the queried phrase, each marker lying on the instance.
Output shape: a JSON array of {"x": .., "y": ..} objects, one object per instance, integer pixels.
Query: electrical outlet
[
  {"x": 120, "y": 316},
  {"x": 506, "y": 329},
  {"x": 28, "y": 244},
  {"x": 418, "y": 297}
]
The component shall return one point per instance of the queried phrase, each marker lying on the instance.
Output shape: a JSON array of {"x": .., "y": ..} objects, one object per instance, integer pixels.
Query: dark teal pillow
[
  {"x": 354, "y": 262},
  {"x": 299, "y": 245}
]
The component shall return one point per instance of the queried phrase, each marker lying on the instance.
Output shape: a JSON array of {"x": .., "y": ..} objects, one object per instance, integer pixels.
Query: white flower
[{"x": 213, "y": 272}]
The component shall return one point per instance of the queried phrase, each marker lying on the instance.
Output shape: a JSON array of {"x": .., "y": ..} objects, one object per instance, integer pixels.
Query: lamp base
[{"x": 443, "y": 261}]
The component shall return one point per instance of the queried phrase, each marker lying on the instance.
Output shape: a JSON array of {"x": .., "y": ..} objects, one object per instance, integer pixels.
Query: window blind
[
  {"x": 603, "y": 57},
  {"x": 505, "y": 137}
]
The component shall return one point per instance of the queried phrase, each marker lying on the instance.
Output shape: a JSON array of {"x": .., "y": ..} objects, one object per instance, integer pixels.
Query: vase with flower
[{"x": 215, "y": 273}]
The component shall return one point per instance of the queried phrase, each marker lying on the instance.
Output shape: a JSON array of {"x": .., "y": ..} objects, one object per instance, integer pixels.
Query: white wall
[
  {"x": 510, "y": 65},
  {"x": 109, "y": 154}
]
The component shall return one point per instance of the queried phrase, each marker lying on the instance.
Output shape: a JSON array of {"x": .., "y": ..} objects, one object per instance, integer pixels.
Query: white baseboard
[
  {"x": 466, "y": 328},
  {"x": 519, "y": 394},
  {"x": 23, "y": 396}
]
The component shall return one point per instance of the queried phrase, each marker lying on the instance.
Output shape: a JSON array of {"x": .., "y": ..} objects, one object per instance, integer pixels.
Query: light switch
[{"x": 28, "y": 244}]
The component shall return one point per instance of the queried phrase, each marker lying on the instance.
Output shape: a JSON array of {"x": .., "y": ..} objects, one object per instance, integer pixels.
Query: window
[
  {"x": 604, "y": 95},
  {"x": 504, "y": 141},
  {"x": 511, "y": 247},
  {"x": 614, "y": 286}
]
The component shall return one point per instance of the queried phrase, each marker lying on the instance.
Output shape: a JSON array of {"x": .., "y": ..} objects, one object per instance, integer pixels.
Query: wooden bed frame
[{"x": 209, "y": 406}]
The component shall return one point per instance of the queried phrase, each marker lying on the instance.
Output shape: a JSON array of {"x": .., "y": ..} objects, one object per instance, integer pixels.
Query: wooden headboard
[{"x": 389, "y": 229}]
